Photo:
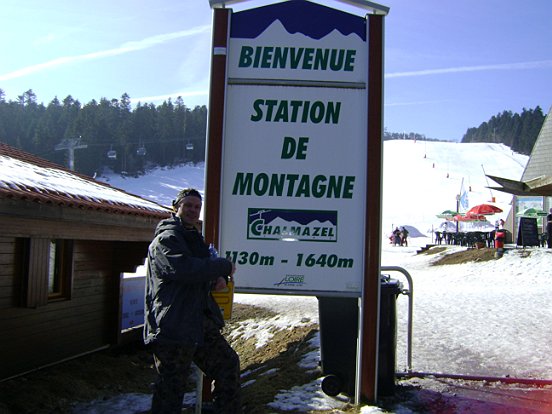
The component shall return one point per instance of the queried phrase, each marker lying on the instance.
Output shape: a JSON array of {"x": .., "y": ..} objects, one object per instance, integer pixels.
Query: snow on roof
[{"x": 26, "y": 177}]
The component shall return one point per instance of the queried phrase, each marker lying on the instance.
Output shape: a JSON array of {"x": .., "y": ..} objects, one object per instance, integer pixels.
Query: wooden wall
[
  {"x": 9, "y": 287},
  {"x": 35, "y": 337}
]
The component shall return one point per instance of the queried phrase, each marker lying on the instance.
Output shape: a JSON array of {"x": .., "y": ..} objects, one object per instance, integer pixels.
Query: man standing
[
  {"x": 182, "y": 321},
  {"x": 549, "y": 229}
]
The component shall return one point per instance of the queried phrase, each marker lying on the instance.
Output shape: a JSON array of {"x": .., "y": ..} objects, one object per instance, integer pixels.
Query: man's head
[{"x": 187, "y": 206}]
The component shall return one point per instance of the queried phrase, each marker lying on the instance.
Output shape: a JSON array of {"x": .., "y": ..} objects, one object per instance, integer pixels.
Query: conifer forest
[{"x": 112, "y": 133}]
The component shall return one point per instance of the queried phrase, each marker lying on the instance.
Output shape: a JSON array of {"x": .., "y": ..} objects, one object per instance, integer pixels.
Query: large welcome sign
[{"x": 293, "y": 187}]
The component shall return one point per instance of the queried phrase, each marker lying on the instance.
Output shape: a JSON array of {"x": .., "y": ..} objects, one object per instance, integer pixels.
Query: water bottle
[{"x": 212, "y": 250}]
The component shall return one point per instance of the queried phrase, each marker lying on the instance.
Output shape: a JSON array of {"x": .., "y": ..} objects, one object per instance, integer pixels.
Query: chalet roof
[
  {"x": 540, "y": 186},
  {"x": 24, "y": 176},
  {"x": 540, "y": 161}
]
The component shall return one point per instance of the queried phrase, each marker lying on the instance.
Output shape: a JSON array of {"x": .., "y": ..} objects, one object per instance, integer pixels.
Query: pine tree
[{"x": 518, "y": 131}]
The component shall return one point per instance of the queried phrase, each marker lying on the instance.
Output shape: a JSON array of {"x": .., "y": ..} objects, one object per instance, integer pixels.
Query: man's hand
[{"x": 220, "y": 284}]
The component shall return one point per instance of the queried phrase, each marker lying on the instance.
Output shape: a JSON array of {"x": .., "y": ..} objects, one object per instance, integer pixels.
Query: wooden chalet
[
  {"x": 536, "y": 180},
  {"x": 65, "y": 241}
]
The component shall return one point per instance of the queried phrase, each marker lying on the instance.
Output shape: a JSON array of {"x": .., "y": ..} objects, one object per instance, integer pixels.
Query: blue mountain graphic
[
  {"x": 300, "y": 216},
  {"x": 297, "y": 16}
]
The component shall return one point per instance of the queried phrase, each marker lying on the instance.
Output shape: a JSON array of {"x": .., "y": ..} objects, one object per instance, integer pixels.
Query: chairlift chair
[
  {"x": 112, "y": 154},
  {"x": 141, "y": 151},
  {"x": 189, "y": 146}
]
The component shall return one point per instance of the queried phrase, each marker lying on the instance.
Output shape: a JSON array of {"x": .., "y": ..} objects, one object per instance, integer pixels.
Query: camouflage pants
[{"x": 215, "y": 358}]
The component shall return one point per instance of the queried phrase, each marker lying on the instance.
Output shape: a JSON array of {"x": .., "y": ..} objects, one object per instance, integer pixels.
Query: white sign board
[
  {"x": 295, "y": 147},
  {"x": 133, "y": 302}
]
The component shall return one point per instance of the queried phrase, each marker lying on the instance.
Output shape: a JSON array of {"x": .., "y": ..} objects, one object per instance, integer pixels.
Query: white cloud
[
  {"x": 429, "y": 102},
  {"x": 122, "y": 49},
  {"x": 542, "y": 64}
]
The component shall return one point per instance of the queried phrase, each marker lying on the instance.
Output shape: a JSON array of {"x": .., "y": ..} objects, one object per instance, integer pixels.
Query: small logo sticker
[
  {"x": 291, "y": 280},
  {"x": 292, "y": 225}
]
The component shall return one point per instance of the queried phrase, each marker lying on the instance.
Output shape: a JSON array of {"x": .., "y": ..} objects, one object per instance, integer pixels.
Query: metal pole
[
  {"x": 70, "y": 145},
  {"x": 458, "y": 211},
  {"x": 215, "y": 129},
  {"x": 369, "y": 326},
  {"x": 215, "y": 125},
  {"x": 410, "y": 295},
  {"x": 199, "y": 391}
]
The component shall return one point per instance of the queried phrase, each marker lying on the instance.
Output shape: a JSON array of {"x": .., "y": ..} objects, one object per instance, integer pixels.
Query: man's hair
[{"x": 185, "y": 193}]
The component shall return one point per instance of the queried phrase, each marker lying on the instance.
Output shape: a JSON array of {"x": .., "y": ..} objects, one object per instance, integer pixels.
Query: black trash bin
[
  {"x": 338, "y": 320},
  {"x": 390, "y": 289}
]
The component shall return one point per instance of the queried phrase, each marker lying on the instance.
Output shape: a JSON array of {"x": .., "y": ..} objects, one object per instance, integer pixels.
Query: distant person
[
  {"x": 438, "y": 237},
  {"x": 542, "y": 239},
  {"x": 491, "y": 238},
  {"x": 404, "y": 237},
  {"x": 448, "y": 237},
  {"x": 396, "y": 237},
  {"x": 549, "y": 229},
  {"x": 182, "y": 320}
]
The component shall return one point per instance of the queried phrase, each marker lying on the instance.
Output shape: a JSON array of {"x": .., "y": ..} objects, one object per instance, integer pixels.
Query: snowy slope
[
  {"x": 415, "y": 182},
  {"x": 422, "y": 179}
]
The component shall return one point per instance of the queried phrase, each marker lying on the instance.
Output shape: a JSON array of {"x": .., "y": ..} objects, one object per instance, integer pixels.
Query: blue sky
[{"x": 449, "y": 65}]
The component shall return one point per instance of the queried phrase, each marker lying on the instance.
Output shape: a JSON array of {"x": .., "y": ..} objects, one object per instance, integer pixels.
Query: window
[
  {"x": 49, "y": 264},
  {"x": 59, "y": 268}
]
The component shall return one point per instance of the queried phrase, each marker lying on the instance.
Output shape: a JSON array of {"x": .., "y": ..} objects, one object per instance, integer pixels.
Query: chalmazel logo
[
  {"x": 292, "y": 225},
  {"x": 291, "y": 280}
]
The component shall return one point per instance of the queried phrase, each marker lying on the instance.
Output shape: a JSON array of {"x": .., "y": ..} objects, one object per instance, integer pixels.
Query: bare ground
[
  {"x": 129, "y": 369},
  {"x": 469, "y": 255}
]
